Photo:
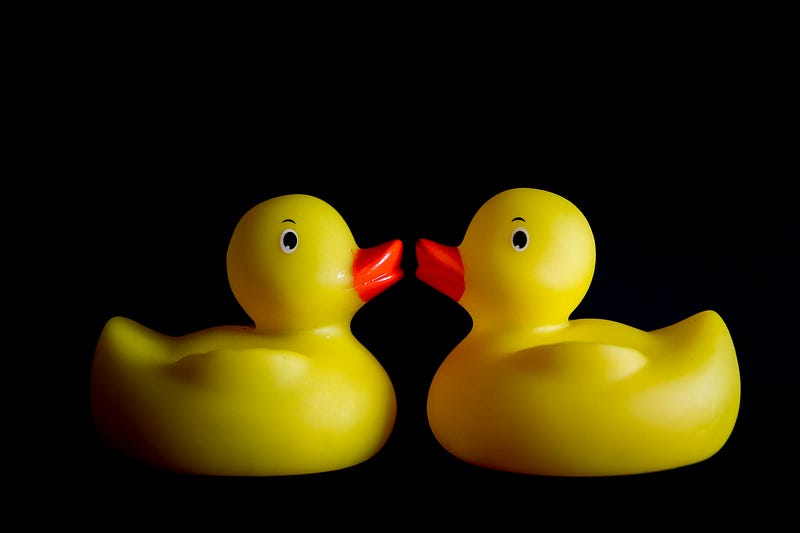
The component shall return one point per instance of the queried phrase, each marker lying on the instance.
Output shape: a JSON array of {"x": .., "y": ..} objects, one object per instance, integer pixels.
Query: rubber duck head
[
  {"x": 293, "y": 264},
  {"x": 527, "y": 258}
]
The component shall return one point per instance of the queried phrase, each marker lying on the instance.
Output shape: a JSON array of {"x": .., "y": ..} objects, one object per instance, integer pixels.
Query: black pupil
[
  {"x": 290, "y": 240},
  {"x": 519, "y": 239}
]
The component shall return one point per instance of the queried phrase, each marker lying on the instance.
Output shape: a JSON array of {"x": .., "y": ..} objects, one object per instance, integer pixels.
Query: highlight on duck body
[
  {"x": 532, "y": 391},
  {"x": 293, "y": 393}
]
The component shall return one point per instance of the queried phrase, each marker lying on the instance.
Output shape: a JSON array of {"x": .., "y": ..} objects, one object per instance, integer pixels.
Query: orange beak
[
  {"x": 376, "y": 269},
  {"x": 440, "y": 267}
]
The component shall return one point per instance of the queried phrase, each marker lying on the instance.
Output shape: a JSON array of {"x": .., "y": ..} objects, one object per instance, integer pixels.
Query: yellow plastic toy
[
  {"x": 295, "y": 393},
  {"x": 530, "y": 391}
]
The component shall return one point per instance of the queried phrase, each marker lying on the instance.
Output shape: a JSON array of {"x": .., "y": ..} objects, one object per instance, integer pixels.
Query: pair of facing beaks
[{"x": 377, "y": 268}]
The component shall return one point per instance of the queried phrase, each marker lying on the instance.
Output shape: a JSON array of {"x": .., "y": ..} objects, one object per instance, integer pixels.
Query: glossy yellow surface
[
  {"x": 531, "y": 391},
  {"x": 295, "y": 393}
]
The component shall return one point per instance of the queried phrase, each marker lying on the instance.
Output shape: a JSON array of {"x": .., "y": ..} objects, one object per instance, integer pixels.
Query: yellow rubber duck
[
  {"x": 294, "y": 393},
  {"x": 530, "y": 391}
]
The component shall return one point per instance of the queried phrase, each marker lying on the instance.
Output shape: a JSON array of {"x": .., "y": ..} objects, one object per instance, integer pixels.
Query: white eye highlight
[
  {"x": 519, "y": 239},
  {"x": 289, "y": 241}
]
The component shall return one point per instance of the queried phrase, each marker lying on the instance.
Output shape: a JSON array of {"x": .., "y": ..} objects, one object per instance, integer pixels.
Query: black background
[{"x": 685, "y": 174}]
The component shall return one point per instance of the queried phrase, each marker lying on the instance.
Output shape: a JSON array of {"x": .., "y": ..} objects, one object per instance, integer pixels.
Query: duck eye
[
  {"x": 519, "y": 239},
  {"x": 289, "y": 241}
]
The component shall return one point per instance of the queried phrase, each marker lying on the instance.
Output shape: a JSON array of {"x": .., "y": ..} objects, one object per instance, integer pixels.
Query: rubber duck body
[
  {"x": 530, "y": 391},
  {"x": 295, "y": 393}
]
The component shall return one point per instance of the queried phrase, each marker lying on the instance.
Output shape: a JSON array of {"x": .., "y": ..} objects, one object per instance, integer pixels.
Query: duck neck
[
  {"x": 322, "y": 330},
  {"x": 515, "y": 327}
]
